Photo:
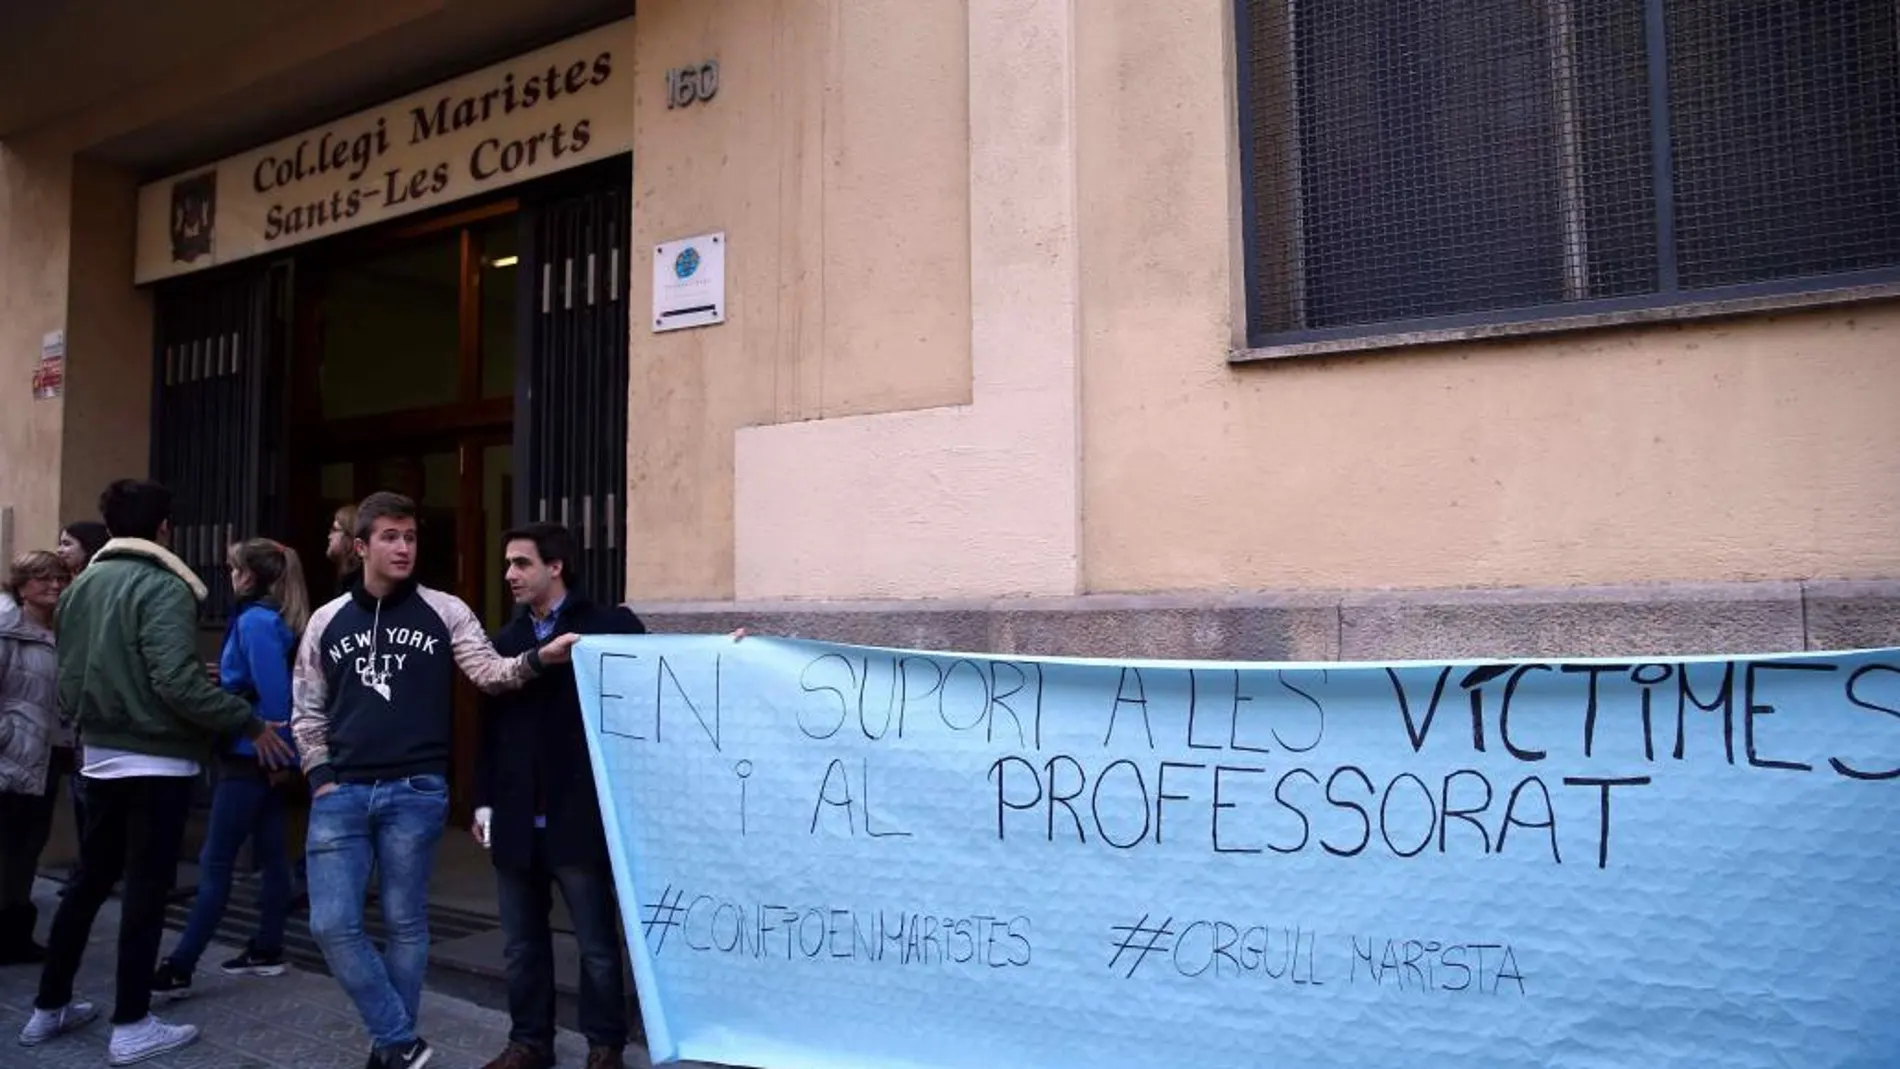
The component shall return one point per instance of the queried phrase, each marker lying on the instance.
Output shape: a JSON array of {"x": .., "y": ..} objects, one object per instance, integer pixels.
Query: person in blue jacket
[{"x": 273, "y": 608}]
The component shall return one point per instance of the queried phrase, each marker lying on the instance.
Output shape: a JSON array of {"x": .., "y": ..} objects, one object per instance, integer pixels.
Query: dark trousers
[
  {"x": 526, "y": 899},
  {"x": 67, "y": 761},
  {"x": 26, "y": 820},
  {"x": 134, "y": 828}
]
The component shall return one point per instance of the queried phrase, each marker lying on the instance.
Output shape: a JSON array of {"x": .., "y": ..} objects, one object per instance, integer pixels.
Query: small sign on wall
[
  {"x": 689, "y": 283},
  {"x": 49, "y": 375}
]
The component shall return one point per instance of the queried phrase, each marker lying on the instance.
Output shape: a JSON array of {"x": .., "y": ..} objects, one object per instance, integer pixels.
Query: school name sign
[
  {"x": 843, "y": 857},
  {"x": 559, "y": 107}
]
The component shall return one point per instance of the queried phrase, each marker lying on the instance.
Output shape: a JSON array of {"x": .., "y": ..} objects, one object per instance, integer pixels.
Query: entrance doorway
[
  {"x": 406, "y": 359},
  {"x": 475, "y": 360}
]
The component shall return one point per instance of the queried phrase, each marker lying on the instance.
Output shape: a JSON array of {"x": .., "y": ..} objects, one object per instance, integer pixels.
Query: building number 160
[{"x": 685, "y": 85}]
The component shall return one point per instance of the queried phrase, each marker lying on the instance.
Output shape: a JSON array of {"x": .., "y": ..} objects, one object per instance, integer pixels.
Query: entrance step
[
  {"x": 447, "y": 925},
  {"x": 466, "y": 949},
  {"x": 483, "y": 954}
]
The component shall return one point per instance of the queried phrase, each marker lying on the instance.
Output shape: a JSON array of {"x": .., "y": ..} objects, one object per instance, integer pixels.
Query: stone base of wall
[{"x": 1616, "y": 621}]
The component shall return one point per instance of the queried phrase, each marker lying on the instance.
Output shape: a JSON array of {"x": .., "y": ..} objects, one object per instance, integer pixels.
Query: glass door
[{"x": 407, "y": 364}]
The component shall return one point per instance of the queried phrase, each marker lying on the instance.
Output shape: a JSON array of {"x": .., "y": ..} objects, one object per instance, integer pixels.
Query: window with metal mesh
[{"x": 1416, "y": 163}]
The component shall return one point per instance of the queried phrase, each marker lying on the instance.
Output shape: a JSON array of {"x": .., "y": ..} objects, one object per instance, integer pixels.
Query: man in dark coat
[{"x": 539, "y": 815}]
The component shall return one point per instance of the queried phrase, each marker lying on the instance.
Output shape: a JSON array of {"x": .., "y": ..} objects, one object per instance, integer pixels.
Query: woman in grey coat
[{"x": 29, "y": 728}]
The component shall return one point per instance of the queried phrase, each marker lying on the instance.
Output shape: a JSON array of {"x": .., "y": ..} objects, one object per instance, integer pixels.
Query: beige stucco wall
[
  {"x": 835, "y": 157},
  {"x": 65, "y": 264},
  {"x": 981, "y": 291},
  {"x": 109, "y": 391},
  {"x": 1102, "y": 151},
  {"x": 1102, "y": 192},
  {"x": 1754, "y": 448},
  {"x": 980, "y": 499},
  {"x": 35, "y": 206}
]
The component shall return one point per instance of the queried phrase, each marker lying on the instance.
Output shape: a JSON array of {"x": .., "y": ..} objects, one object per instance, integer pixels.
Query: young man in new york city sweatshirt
[{"x": 373, "y": 716}]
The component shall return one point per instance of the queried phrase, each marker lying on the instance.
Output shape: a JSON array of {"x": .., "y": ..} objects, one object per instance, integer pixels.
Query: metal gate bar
[
  {"x": 220, "y": 350},
  {"x": 573, "y": 430}
]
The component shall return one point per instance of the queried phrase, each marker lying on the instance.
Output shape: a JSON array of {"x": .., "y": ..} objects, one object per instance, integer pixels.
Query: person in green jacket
[{"x": 132, "y": 680}]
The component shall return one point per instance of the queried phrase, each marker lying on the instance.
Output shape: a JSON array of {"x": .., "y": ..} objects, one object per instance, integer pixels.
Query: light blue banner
[{"x": 834, "y": 857}]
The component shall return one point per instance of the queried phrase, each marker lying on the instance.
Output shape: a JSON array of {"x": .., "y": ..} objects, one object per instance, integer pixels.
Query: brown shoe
[
  {"x": 605, "y": 1058},
  {"x": 522, "y": 1056}
]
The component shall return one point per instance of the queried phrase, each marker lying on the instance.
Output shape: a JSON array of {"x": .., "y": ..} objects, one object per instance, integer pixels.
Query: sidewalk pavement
[{"x": 297, "y": 1021}]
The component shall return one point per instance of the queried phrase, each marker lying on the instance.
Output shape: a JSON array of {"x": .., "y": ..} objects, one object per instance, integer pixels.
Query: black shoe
[
  {"x": 255, "y": 963},
  {"x": 170, "y": 983},
  {"x": 411, "y": 1055}
]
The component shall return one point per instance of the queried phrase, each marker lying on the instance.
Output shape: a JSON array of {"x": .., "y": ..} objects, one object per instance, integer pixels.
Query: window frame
[{"x": 1669, "y": 303}]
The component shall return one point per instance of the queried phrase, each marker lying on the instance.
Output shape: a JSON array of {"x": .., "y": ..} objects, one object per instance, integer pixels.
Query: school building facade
[{"x": 1210, "y": 328}]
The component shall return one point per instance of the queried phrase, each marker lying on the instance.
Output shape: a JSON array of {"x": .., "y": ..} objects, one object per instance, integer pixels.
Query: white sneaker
[
  {"x": 51, "y": 1024},
  {"x": 133, "y": 1043}
]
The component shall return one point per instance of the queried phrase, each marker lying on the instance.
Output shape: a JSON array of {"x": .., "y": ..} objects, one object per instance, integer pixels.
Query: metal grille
[
  {"x": 1444, "y": 162},
  {"x": 1787, "y": 134},
  {"x": 217, "y": 421},
  {"x": 573, "y": 442}
]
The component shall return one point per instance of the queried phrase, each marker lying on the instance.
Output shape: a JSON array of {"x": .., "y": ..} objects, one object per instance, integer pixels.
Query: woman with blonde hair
[
  {"x": 274, "y": 606},
  {"x": 30, "y": 728}
]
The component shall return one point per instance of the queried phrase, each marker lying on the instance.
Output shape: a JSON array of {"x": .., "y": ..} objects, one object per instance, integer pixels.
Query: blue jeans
[
  {"x": 391, "y": 826},
  {"x": 242, "y": 806}
]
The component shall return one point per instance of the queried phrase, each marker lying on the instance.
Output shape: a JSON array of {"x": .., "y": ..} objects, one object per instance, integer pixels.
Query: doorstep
[
  {"x": 463, "y": 884},
  {"x": 483, "y": 954},
  {"x": 464, "y": 940},
  {"x": 465, "y": 925}
]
